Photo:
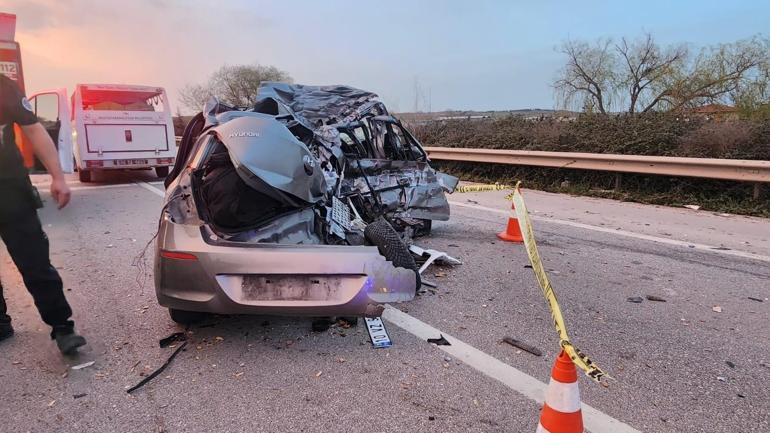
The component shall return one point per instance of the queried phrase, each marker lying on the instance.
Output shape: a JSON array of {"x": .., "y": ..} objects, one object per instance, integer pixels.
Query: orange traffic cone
[
  {"x": 512, "y": 232},
  {"x": 561, "y": 411}
]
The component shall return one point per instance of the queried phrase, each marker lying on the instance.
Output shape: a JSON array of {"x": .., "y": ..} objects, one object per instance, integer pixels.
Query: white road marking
[
  {"x": 667, "y": 241},
  {"x": 526, "y": 385},
  {"x": 78, "y": 186},
  {"x": 151, "y": 188},
  {"x": 81, "y": 187}
]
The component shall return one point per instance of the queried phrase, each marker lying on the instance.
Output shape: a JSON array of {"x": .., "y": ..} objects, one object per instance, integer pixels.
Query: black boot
[
  {"x": 68, "y": 341},
  {"x": 6, "y": 331}
]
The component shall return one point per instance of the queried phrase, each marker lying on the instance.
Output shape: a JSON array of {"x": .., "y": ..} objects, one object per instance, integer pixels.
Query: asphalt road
[{"x": 678, "y": 366}]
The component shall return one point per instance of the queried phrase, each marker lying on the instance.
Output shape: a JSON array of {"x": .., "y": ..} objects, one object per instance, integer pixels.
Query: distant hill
[
  {"x": 532, "y": 113},
  {"x": 422, "y": 118}
]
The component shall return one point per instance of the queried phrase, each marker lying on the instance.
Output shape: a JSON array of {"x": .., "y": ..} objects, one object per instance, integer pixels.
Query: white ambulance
[{"x": 109, "y": 127}]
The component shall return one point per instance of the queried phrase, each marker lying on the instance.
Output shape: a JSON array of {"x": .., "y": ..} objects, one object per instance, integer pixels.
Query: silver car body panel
[
  {"x": 224, "y": 273},
  {"x": 265, "y": 153}
]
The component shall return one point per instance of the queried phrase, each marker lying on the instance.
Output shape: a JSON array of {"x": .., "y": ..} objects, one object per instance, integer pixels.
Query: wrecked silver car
[{"x": 303, "y": 204}]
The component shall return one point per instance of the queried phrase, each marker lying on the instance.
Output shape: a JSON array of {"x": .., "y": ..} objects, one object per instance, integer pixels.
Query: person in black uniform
[{"x": 20, "y": 227}]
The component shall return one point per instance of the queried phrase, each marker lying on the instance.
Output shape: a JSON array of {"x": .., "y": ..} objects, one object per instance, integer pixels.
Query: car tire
[
  {"x": 186, "y": 317},
  {"x": 84, "y": 176},
  {"x": 162, "y": 172},
  {"x": 382, "y": 235}
]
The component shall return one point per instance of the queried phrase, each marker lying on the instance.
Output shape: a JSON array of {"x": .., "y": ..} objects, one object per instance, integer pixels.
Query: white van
[{"x": 109, "y": 127}]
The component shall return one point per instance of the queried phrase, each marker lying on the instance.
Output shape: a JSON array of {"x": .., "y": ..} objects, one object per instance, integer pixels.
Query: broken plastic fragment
[
  {"x": 177, "y": 336},
  {"x": 441, "y": 341},
  {"x": 434, "y": 256},
  {"x": 83, "y": 365}
]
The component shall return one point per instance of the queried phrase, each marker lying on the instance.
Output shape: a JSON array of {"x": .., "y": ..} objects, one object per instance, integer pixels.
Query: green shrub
[{"x": 660, "y": 134}]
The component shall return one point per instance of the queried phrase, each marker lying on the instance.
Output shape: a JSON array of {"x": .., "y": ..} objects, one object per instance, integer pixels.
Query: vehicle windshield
[{"x": 122, "y": 100}]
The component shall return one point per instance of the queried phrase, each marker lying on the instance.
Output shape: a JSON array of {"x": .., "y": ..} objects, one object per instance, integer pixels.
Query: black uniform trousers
[{"x": 23, "y": 235}]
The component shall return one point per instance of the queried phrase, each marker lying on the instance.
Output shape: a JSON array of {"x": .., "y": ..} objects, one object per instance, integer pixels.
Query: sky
[{"x": 465, "y": 55}]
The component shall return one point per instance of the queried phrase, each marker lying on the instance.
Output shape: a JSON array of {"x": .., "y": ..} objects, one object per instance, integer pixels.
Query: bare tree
[
  {"x": 234, "y": 85},
  {"x": 719, "y": 74},
  {"x": 193, "y": 96},
  {"x": 644, "y": 65},
  {"x": 588, "y": 78},
  {"x": 753, "y": 95},
  {"x": 645, "y": 77}
]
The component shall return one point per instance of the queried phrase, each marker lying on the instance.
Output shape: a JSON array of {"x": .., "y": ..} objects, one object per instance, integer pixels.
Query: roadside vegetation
[{"x": 664, "y": 134}]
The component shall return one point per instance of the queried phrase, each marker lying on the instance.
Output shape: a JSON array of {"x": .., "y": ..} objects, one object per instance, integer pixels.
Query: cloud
[
  {"x": 479, "y": 55},
  {"x": 154, "y": 42}
]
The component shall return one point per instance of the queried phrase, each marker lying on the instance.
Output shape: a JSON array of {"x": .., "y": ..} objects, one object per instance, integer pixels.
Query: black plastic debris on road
[
  {"x": 523, "y": 346},
  {"x": 635, "y": 299},
  {"x": 655, "y": 298},
  {"x": 171, "y": 339},
  {"x": 159, "y": 370},
  {"x": 441, "y": 341},
  {"x": 756, "y": 299}
]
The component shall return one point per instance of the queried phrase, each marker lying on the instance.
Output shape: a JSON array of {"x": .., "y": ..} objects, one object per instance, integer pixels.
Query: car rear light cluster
[
  {"x": 176, "y": 255},
  {"x": 94, "y": 163},
  {"x": 165, "y": 160}
]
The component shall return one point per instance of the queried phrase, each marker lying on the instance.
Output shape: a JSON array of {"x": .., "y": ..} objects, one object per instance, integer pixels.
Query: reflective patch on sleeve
[{"x": 25, "y": 103}]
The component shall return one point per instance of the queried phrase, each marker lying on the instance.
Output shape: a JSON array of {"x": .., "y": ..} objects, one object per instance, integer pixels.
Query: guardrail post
[
  {"x": 618, "y": 181},
  {"x": 757, "y": 190}
]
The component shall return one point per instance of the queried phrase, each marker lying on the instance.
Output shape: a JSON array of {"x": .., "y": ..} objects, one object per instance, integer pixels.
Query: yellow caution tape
[
  {"x": 581, "y": 360},
  {"x": 480, "y": 188}
]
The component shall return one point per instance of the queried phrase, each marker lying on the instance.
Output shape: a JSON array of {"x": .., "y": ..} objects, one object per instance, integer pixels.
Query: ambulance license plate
[{"x": 131, "y": 162}]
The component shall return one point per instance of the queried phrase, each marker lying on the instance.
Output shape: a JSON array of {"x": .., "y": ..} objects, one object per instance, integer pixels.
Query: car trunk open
[{"x": 310, "y": 165}]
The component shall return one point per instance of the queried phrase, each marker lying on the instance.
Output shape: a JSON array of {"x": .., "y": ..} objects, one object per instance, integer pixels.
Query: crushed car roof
[{"x": 315, "y": 106}]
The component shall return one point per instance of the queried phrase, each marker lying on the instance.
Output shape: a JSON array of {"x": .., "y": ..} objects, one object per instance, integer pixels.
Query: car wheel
[
  {"x": 84, "y": 176},
  {"x": 382, "y": 235},
  {"x": 186, "y": 317},
  {"x": 162, "y": 172}
]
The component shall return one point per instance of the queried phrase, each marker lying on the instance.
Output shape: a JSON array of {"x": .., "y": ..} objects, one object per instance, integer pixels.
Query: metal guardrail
[{"x": 709, "y": 168}]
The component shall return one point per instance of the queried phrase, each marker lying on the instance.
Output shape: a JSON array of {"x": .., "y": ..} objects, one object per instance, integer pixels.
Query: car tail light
[
  {"x": 165, "y": 160},
  {"x": 94, "y": 163},
  {"x": 176, "y": 255}
]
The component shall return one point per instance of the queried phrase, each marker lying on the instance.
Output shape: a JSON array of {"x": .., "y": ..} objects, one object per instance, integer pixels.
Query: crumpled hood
[
  {"x": 268, "y": 158},
  {"x": 315, "y": 106}
]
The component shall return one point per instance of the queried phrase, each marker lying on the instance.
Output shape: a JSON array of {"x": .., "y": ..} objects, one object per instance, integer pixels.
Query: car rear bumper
[{"x": 307, "y": 280}]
